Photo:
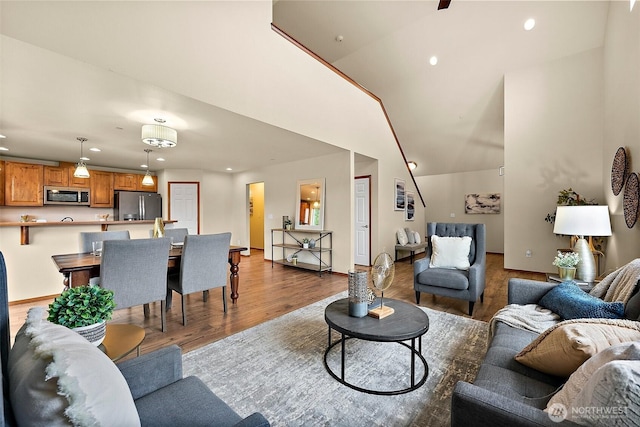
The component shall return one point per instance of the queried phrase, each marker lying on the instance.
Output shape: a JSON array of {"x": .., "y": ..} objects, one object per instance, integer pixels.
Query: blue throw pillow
[{"x": 570, "y": 302}]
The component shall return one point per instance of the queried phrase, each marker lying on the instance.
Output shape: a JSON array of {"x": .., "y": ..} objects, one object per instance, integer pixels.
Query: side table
[
  {"x": 121, "y": 339},
  {"x": 585, "y": 286}
]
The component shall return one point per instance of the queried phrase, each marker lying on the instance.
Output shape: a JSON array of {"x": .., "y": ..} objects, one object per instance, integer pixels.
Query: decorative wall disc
[
  {"x": 630, "y": 205},
  {"x": 619, "y": 171}
]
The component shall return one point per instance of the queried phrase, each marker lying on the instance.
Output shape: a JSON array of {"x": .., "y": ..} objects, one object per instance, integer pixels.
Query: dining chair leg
[
  {"x": 205, "y": 295},
  {"x": 163, "y": 316},
  {"x": 224, "y": 298},
  {"x": 146, "y": 310},
  {"x": 169, "y": 298},
  {"x": 184, "y": 311}
]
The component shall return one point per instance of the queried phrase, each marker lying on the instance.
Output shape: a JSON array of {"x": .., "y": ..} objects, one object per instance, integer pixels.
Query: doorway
[
  {"x": 184, "y": 205},
  {"x": 362, "y": 218},
  {"x": 256, "y": 215}
]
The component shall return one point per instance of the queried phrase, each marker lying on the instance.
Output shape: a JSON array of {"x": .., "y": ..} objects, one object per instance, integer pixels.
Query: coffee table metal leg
[
  {"x": 413, "y": 362},
  {"x": 342, "y": 345}
]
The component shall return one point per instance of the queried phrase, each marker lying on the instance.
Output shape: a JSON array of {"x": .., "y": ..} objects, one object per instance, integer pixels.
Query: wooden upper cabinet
[
  {"x": 101, "y": 189},
  {"x": 126, "y": 181},
  {"x": 1, "y": 182},
  {"x": 73, "y": 181},
  {"x": 56, "y": 176},
  {"x": 23, "y": 184}
]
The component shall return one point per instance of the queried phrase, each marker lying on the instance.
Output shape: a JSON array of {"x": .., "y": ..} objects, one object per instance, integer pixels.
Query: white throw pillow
[
  {"x": 579, "y": 379},
  {"x": 450, "y": 252},
  {"x": 402, "y": 237},
  {"x": 417, "y": 237},
  {"x": 59, "y": 378},
  {"x": 410, "y": 236}
]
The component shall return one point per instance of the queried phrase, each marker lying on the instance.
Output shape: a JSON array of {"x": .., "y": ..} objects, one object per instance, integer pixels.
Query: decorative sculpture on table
[
  {"x": 158, "y": 228},
  {"x": 382, "y": 273}
]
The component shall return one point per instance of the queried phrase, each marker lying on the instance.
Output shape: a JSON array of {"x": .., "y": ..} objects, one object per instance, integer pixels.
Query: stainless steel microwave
[{"x": 66, "y": 196}]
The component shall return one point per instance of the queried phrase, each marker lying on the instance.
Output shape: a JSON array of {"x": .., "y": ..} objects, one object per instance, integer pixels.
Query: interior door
[
  {"x": 362, "y": 248},
  {"x": 184, "y": 205}
]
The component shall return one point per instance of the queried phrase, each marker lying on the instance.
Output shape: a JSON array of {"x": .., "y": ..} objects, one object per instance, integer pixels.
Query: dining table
[{"x": 78, "y": 268}]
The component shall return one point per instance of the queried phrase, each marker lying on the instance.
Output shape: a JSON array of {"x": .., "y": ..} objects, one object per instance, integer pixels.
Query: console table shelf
[{"x": 318, "y": 258}]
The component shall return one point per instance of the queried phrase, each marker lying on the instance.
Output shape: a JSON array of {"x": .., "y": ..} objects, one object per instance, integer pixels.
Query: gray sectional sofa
[{"x": 506, "y": 392}]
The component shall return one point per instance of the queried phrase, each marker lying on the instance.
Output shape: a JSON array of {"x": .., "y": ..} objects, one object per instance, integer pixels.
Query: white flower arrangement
[{"x": 566, "y": 259}]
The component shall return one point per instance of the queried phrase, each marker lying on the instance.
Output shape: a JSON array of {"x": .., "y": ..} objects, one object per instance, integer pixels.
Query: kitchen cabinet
[
  {"x": 133, "y": 182},
  {"x": 56, "y": 176},
  {"x": 73, "y": 181},
  {"x": 101, "y": 189},
  {"x": 1, "y": 182},
  {"x": 23, "y": 184}
]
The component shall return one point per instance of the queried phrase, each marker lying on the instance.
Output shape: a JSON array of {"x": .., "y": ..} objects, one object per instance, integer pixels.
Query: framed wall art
[
  {"x": 399, "y": 195},
  {"x": 482, "y": 203},
  {"x": 409, "y": 211}
]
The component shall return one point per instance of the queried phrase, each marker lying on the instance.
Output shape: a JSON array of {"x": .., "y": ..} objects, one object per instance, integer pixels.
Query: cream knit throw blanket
[{"x": 619, "y": 285}]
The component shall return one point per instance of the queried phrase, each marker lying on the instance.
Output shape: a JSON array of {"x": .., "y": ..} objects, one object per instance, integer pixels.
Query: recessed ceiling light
[
  {"x": 4, "y": 149},
  {"x": 160, "y": 159},
  {"x": 229, "y": 169},
  {"x": 86, "y": 159},
  {"x": 96, "y": 149},
  {"x": 529, "y": 24},
  {"x": 433, "y": 60},
  {"x": 339, "y": 38},
  {"x": 2, "y": 136}
]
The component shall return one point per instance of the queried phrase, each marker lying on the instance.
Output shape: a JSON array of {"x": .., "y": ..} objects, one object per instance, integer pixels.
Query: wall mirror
[{"x": 310, "y": 204}]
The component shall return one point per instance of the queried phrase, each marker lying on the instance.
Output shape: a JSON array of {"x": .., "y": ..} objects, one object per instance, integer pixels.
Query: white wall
[
  {"x": 553, "y": 141},
  {"x": 444, "y": 196},
  {"x": 622, "y": 120}
]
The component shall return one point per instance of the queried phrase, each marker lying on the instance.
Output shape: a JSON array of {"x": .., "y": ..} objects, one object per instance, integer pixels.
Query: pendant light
[
  {"x": 81, "y": 168},
  {"x": 148, "y": 179},
  {"x": 316, "y": 204}
]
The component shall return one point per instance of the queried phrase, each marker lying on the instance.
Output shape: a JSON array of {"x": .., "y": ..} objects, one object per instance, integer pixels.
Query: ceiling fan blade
[{"x": 443, "y": 4}]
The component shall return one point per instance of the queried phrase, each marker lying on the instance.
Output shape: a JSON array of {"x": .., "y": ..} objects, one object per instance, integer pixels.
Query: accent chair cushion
[
  {"x": 570, "y": 302},
  {"x": 581, "y": 378},
  {"x": 562, "y": 348},
  {"x": 450, "y": 252},
  {"x": 57, "y": 377},
  {"x": 402, "y": 237}
]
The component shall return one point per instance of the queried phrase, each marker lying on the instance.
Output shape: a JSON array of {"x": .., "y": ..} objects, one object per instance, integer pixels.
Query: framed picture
[
  {"x": 409, "y": 212},
  {"x": 482, "y": 203},
  {"x": 399, "y": 199}
]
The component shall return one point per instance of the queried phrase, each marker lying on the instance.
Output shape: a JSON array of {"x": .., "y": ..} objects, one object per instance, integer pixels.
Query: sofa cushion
[
  {"x": 571, "y": 302},
  {"x": 561, "y": 349},
  {"x": 57, "y": 377},
  {"x": 514, "y": 385},
  {"x": 579, "y": 380},
  {"x": 445, "y": 278},
  {"x": 402, "y": 237},
  {"x": 450, "y": 252}
]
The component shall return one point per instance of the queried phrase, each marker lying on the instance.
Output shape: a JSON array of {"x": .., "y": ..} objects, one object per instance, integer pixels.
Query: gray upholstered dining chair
[
  {"x": 86, "y": 238},
  {"x": 136, "y": 271},
  {"x": 178, "y": 234},
  {"x": 203, "y": 266},
  {"x": 465, "y": 282}
]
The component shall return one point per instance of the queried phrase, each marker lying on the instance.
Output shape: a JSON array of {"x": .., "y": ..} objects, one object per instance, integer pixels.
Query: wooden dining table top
[{"x": 82, "y": 261}]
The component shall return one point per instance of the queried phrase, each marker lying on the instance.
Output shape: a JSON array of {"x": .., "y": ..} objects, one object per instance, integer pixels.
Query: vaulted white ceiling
[{"x": 74, "y": 69}]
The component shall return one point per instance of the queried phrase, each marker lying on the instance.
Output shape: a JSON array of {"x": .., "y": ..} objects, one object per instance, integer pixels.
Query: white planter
[{"x": 93, "y": 333}]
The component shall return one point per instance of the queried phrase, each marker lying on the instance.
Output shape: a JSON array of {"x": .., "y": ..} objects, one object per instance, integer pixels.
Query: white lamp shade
[
  {"x": 588, "y": 220},
  {"x": 159, "y": 136},
  {"x": 147, "y": 180},
  {"x": 81, "y": 171}
]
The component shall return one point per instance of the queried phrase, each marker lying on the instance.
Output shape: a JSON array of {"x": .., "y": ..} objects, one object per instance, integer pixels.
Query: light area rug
[{"x": 276, "y": 368}]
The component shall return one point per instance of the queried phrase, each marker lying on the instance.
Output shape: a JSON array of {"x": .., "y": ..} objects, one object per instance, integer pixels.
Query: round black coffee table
[{"x": 408, "y": 322}]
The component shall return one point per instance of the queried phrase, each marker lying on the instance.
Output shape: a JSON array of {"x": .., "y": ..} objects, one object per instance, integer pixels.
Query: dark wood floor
[{"x": 266, "y": 293}]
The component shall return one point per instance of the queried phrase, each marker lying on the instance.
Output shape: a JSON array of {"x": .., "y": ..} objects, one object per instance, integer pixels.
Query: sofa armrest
[
  {"x": 524, "y": 291},
  {"x": 475, "y": 406},
  {"x": 152, "y": 371},
  {"x": 254, "y": 420}
]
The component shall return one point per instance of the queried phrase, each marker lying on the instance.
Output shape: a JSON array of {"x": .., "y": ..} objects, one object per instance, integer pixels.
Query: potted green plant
[
  {"x": 305, "y": 243},
  {"x": 84, "y": 309},
  {"x": 566, "y": 263}
]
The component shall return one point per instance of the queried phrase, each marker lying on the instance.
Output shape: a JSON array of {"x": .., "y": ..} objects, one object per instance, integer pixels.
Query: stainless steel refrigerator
[{"x": 136, "y": 206}]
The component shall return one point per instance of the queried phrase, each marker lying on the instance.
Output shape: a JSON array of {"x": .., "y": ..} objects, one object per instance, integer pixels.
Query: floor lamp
[{"x": 588, "y": 220}]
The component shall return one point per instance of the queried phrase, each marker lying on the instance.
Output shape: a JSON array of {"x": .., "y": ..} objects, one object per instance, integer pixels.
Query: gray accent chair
[
  {"x": 178, "y": 234},
  {"x": 203, "y": 266},
  {"x": 136, "y": 271},
  {"x": 466, "y": 285},
  {"x": 161, "y": 395},
  {"x": 88, "y": 237}
]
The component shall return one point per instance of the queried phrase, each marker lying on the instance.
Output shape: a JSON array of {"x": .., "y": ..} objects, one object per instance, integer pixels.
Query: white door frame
[{"x": 362, "y": 222}]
